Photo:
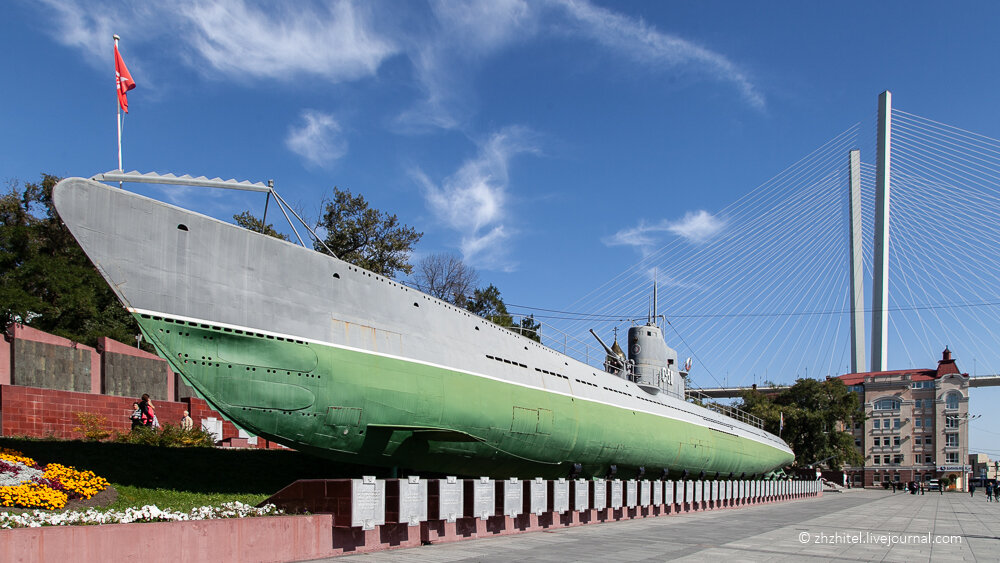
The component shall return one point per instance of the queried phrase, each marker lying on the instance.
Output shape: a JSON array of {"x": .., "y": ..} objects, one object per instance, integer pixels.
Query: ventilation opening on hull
[{"x": 182, "y": 227}]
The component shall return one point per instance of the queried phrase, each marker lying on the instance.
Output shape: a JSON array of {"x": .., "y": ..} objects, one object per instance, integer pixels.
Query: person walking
[
  {"x": 989, "y": 492},
  {"x": 972, "y": 489},
  {"x": 146, "y": 411}
]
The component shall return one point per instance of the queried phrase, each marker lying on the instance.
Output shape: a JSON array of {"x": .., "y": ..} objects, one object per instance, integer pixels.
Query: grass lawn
[{"x": 183, "y": 501}]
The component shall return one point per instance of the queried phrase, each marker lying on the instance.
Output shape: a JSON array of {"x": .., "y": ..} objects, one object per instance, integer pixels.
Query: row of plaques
[{"x": 414, "y": 500}]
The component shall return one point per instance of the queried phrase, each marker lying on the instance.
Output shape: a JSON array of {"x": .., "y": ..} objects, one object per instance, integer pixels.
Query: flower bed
[
  {"x": 25, "y": 484},
  {"x": 37, "y": 518}
]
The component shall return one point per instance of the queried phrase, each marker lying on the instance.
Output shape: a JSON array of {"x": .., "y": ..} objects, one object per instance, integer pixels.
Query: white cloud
[
  {"x": 638, "y": 40},
  {"x": 464, "y": 33},
  {"x": 473, "y": 201},
  {"x": 317, "y": 139},
  {"x": 336, "y": 42},
  {"x": 695, "y": 227},
  {"x": 233, "y": 38}
]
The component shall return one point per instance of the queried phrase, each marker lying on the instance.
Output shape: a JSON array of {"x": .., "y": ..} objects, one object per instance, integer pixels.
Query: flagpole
[{"x": 119, "y": 106}]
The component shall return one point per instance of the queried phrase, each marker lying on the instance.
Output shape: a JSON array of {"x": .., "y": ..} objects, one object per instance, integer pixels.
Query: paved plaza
[{"x": 856, "y": 525}]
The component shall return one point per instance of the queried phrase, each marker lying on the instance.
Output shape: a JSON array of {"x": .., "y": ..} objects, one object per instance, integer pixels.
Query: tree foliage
[
  {"x": 252, "y": 223},
  {"x": 488, "y": 304},
  {"x": 815, "y": 413},
  {"x": 366, "y": 237},
  {"x": 46, "y": 280}
]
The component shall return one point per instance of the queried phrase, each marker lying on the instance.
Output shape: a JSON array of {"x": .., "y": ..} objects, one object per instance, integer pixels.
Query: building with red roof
[{"x": 916, "y": 425}]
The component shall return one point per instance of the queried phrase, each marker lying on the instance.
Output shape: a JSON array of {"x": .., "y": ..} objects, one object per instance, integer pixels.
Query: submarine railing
[{"x": 723, "y": 409}]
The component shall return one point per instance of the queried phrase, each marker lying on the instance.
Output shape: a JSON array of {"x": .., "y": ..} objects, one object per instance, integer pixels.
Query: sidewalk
[{"x": 857, "y": 525}]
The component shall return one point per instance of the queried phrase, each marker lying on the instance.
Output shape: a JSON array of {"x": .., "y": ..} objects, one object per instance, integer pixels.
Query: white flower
[{"x": 148, "y": 513}]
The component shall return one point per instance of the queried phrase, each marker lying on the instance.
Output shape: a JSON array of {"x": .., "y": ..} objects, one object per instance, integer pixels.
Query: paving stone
[{"x": 851, "y": 526}]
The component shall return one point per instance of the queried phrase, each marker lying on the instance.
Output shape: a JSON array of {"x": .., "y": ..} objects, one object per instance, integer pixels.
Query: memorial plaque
[
  {"x": 657, "y": 493},
  {"x": 617, "y": 493},
  {"x": 699, "y": 488},
  {"x": 538, "y": 498},
  {"x": 581, "y": 495},
  {"x": 451, "y": 499},
  {"x": 480, "y": 498},
  {"x": 729, "y": 490},
  {"x": 513, "y": 495},
  {"x": 600, "y": 496},
  {"x": 645, "y": 493},
  {"x": 689, "y": 491},
  {"x": 367, "y": 503},
  {"x": 714, "y": 494},
  {"x": 631, "y": 493},
  {"x": 668, "y": 492},
  {"x": 412, "y": 501},
  {"x": 560, "y": 496}
]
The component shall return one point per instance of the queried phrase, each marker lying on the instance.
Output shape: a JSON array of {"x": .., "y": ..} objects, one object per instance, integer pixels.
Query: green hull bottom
[{"x": 367, "y": 409}]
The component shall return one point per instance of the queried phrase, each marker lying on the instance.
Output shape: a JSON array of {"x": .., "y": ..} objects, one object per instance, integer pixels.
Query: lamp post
[{"x": 963, "y": 447}]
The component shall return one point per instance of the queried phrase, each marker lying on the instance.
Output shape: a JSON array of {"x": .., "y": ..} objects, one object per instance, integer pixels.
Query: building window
[
  {"x": 918, "y": 422},
  {"x": 876, "y": 423},
  {"x": 856, "y": 388},
  {"x": 876, "y": 478},
  {"x": 876, "y": 441},
  {"x": 895, "y": 477},
  {"x": 895, "y": 423},
  {"x": 922, "y": 385},
  {"x": 916, "y": 460},
  {"x": 887, "y": 405},
  {"x": 951, "y": 457},
  {"x": 928, "y": 459},
  {"x": 895, "y": 441},
  {"x": 951, "y": 422},
  {"x": 857, "y": 442},
  {"x": 918, "y": 440},
  {"x": 897, "y": 459},
  {"x": 928, "y": 441},
  {"x": 951, "y": 440},
  {"x": 929, "y": 423},
  {"x": 951, "y": 400},
  {"x": 917, "y": 403},
  {"x": 887, "y": 459}
]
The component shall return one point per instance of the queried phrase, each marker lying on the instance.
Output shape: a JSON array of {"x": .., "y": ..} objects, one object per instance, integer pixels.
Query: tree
[
  {"x": 366, "y": 237},
  {"x": 488, "y": 304},
  {"x": 446, "y": 277},
  {"x": 815, "y": 413},
  {"x": 248, "y": 221},
  {"x": 46, "y": 280}
]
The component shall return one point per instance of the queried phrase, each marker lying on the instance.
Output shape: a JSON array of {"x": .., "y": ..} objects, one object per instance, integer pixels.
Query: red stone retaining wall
[
  {"x": 41, "y": 413},
  {"x": 267, "y": 539}
]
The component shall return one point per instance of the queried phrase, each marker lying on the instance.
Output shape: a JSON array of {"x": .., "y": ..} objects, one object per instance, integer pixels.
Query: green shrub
[
  {"x": 93, "y": 427},
  {"x": 169, "y": 436}
]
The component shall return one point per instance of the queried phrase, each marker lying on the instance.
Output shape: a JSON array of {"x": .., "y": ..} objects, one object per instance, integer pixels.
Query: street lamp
[{"x": 963, "y": 444}]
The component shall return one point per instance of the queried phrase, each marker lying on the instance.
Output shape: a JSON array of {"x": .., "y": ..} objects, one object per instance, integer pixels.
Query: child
[{"x": 136, "y": 416}]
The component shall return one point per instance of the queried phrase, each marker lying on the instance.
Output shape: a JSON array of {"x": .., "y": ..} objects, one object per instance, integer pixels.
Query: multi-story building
[{"x": 916, "y": 425}]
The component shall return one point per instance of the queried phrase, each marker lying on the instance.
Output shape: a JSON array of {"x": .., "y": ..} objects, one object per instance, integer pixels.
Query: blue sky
[{"x": 528, "y": 137}]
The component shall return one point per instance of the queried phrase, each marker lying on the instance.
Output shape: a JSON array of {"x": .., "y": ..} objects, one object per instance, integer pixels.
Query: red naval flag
[{"x": 123, "y": 78}]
